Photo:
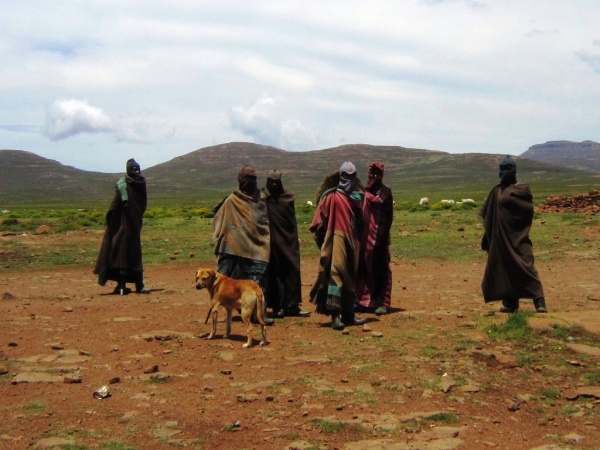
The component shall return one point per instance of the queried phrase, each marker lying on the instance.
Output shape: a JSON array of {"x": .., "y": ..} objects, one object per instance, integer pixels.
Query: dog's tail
[{"x": 260, "y": 306}]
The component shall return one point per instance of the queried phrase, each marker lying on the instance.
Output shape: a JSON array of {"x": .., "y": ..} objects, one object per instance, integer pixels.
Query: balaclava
[
  {"x": 247, "y": 180},
  {"x": 508, "y": 171},
  {"x": 375, "y": 177},
  {"x": 274, "y": 187},
  {"x": 347, "y": 185},
  {"x": 131, "y": 164}
]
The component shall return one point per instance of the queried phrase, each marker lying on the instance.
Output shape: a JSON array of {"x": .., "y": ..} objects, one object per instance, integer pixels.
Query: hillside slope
[{"x": 577, "y": 155}]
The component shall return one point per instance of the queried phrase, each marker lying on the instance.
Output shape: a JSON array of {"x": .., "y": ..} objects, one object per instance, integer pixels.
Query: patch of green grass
[
  {"x": 592, "y": 377},
  {"x": 567, "y": 410},
  {"x": 465, "y": 345},
  {"x": 73, "y": 446},
  {"x": 329, "y": 427},
  {"x": 291, "y": 436},
  {"x": 35, "y": 405},
  {"x": 550, "y": 393},
  {"x": 515, "y": 327},
  {"x": 429, "y": 350},
  {"x": 444, "y": 417}
]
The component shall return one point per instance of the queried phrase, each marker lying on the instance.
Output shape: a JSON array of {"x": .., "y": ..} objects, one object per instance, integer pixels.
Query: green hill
[{"x": 209, "y": 173}]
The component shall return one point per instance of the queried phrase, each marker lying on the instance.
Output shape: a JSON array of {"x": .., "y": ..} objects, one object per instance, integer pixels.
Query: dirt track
[{"x": 60, "y": 323}]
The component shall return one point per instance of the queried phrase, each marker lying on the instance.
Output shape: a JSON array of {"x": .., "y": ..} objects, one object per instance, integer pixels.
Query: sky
[{"x": 92, "y": 84}]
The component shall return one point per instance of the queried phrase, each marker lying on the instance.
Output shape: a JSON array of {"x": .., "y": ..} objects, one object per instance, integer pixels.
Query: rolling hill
[
  {"x": 577, "y": 155},
  {"x": 211, "y": 172}
]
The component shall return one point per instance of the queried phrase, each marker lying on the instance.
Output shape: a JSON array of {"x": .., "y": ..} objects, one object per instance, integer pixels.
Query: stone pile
[{"x": 586, "y": 203}]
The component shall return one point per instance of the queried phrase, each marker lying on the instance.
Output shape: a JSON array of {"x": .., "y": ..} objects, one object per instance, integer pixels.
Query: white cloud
[
  {"x": 66, "y": 118},
  {"x": 261, "y": 123}
]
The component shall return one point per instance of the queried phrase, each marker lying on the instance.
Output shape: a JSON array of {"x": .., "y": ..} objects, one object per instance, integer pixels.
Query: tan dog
[{"x": 244, "y": 295}]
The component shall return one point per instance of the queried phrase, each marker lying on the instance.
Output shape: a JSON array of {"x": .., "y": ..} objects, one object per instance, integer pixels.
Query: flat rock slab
[
  {"x": 590, "y": 320},
  {"x": 582, "y": 348},
  {"x": 37, "y": 377},
  {"x": 52, "y": 442}
]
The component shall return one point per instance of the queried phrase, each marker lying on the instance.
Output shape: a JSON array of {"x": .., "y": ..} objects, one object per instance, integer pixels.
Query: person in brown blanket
[
  {"x": 120, "y": 256},
  {"x": 507, "y": 216},
  {"x": 337, "y": 227},
  {"x": 285, "y": 287},
  {"x": 241, "y": 232}
]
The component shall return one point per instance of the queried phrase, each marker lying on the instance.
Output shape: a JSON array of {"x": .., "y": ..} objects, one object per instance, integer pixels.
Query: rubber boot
[
  {"x": 509, "y": 305},
  {"x": 540, "y": 304},
  {"x": 336, "y": 322}
]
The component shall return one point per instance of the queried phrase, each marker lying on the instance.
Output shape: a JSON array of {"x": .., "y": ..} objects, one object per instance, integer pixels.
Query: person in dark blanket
[
  {"x": 337, "y": 227},
  {"x": 120, "y": 256},
  {"x": 507, "y": 216},
  {"x": 241, "y": 232},
  {"x": 374, "y": 284},
  {"x": 285, "y": 287}
]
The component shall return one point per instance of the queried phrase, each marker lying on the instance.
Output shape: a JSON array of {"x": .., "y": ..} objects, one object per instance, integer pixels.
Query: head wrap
[
  {"x": 347, "y": 185},
  {"x": 274, "y": 187},
  {"x": 131, "y": 164},
  {"x": 247, "y": 180},
  {"x": 374, "y": 176},
  {"x": 507, "y": 175}
]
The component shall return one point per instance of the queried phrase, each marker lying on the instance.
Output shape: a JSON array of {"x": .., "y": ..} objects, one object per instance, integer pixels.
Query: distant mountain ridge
[
  {"x": 577, "y": 155},
  {"x": 211, "y": 172}
]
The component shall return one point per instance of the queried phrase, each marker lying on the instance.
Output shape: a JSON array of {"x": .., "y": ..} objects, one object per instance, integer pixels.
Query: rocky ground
[{"x": 429, "y": 375}]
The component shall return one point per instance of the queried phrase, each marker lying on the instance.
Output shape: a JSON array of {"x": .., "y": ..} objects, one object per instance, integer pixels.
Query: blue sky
[{"x": 91, "y": 84}]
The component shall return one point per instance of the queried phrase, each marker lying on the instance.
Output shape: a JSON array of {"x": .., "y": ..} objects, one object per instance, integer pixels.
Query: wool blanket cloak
[
  {"x": 510, "y": 273},
  {"x": 241, "y": 227},
  {"x": 285, "y": 287},
  {"x": 337, "y": 226},
  {"x": 120, "y": 253},
  {"x": 374, "y": 283}
]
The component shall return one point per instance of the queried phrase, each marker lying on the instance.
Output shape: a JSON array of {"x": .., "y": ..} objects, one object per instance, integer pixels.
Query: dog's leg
[
  {"x": 215, "y": 316},
  {"x": 228, "y": 329},
  {"x": 248, "y": 324}
]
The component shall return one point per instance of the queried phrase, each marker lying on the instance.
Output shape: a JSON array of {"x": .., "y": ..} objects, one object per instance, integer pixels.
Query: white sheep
[
  {"x": 309, "y": 203},
  {"x": 468, "y": 200},
  {"x": 424, "y": 201},
  {"x": 448, "y": 202}
]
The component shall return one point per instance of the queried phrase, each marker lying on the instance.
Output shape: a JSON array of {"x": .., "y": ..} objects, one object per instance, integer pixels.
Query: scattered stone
[
  {"x": 57, "y": 346},
  {"x": 114, "y": 380},
  {"x": 447, "y": 383},
  {"x": 468, "y": 325},
  {"x": 345, "y": 331},
  {"x": 43, "y": 229},
  {"x": 343, "y": 380},
  {"x": 68, "y": 309},
  {"x": 13, "y": 344},
  {"x": 177, "y": 252},
  {"x": 237, "y": 424},
  {"x": 208, "y": 388},
  {"x": 84, "y": 353},
  {"x": 247, "y": 398},
  {"x": 366, "y": 327},
  {"x": 151, "y": 369},
  {"x": 339, "y": 408},
  {"x": 72, "y": 379},
  {"x": 573, "y": 438},
  {"x": 161, "y": 337},
  {"x": 537, "y": 347},
  {"x": 225, "y": 372},
  {"x": 8, "y": 296},
  {"x": 516, "y": 403},
  {"x": 460, "y": 315},
  {"x": 574, "y": 363},
  {"x": 3, "y": 370},
  {"x": 377, "y": 334},
  {"x": 149, "y": 338},
  {"x": 192, "y": 255},
  {"x": 585, "y": 391},
  {"x": 270, "y": 398}
]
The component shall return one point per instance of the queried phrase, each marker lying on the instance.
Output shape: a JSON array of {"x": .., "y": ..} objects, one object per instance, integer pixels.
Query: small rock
[
  {"x": 13, "y": 344},
  {"x": 573, "y": 438},
  {"x": 57, "y": 346},
  {"x": 377, "y": 334},
  {"x": 343, "y": 380},
  {"x": 208, "y": 388},
  {"x": 177, "y": 252},
  {"x": 468, "y": 325},
  {"x": 192, "y": 255},
  {"x": 237, "y": 424},
  {"x": 84, "y": 353},
  {"x": 339, "y": 408},
  {"x": 8, "y": 296},
  {"x": 43, "y": 229},
  {"x": 68, "y": 309},
  {"x": 270, "y": 398},
  {"x": 72, "y": 379},
  {"x": 575, "y": 363},
  {"x": 114, "y": 380},
  {"x": 152, "y": 369},
  {"x": 345, "y": 331},
  {"x": 460, "y": 315},
  {"x": 226, "y": 372},
  {"x": 148, "y": 338},
  {"x": 366, "y": 327},
  {"x": 3, "y": 370}
]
